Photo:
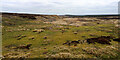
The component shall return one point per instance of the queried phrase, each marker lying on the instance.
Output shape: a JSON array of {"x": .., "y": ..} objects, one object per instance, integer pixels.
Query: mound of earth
[{"x": 101, "y": 40}]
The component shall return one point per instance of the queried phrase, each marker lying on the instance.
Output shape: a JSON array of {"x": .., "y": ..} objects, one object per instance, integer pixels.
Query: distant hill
[
  {"x": 92, "y": 15},
  {"x": 33, "y": 16},
  {"x": 30, "y": 16}
]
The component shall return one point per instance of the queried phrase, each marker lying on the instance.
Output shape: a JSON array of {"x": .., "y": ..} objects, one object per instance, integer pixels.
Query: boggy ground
[{"x": 59, "y": 37}]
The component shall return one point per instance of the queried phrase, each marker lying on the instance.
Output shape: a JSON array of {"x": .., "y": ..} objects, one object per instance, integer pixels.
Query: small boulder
[
  {"x": 31, "y": 38},
  {"x": 24, "y": 46},
  {"x": 19, "y": 38},
  {"x": 45, "y": 37},
  {"x": 75, "y": 32}
]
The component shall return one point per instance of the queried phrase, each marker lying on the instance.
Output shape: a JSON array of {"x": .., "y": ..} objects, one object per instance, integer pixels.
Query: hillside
[{"x": 53, "y": 36}]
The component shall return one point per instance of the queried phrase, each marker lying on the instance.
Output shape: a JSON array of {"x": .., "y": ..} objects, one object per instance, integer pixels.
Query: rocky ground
[{"x": 52, "y": 36}]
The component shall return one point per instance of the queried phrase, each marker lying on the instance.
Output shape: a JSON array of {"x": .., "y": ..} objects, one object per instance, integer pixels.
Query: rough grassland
[{"x": 52, "y": 46}]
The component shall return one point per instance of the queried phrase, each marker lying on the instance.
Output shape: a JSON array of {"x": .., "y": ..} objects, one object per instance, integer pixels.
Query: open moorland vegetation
[{"x": 52, "y": 36}]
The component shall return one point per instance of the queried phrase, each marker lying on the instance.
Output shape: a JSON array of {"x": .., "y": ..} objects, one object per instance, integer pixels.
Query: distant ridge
[
  {"x": 92, "y": 15},
  {"x": 60, "y": 15},
  {"x": 9, "y": 13},
  {"x": 30, "y": 16}
]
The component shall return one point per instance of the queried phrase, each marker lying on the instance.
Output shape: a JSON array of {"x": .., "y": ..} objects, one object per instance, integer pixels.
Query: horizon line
[{"x": 60, "y": 14}]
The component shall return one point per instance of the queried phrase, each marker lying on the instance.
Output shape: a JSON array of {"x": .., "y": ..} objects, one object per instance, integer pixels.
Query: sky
[{"x": 61, "y": 7}]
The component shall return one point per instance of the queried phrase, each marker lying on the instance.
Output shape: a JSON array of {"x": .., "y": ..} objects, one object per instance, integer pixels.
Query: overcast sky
[{"x": 75, "y": 7}]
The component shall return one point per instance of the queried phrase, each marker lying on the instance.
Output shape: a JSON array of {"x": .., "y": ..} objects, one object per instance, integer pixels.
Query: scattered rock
[
  {"x": 75, "y": 32},
  {"x": 83, "y": 36},
  {"x": 69, "y": 43},
  {"x": 92, "y": 34},
  {"x": 24, "y": 46},
  {"x": 63, "y": 31},
  {"x": 45, "y": 52},
  {"x": 34, "y": 30},
  {"x": 54, "y": 47},
  {"x": 23, "y": 36},
  {"x": 45, "y": 48},
  {"x": 19, "y": 38},
  {"x": 75, "y": 42},
  {"x": 31, "y": 38},
  {"x": 45, "y": 37},
  {"x": 98, "y": 23},
  {"x": 38, "y": 30}
]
